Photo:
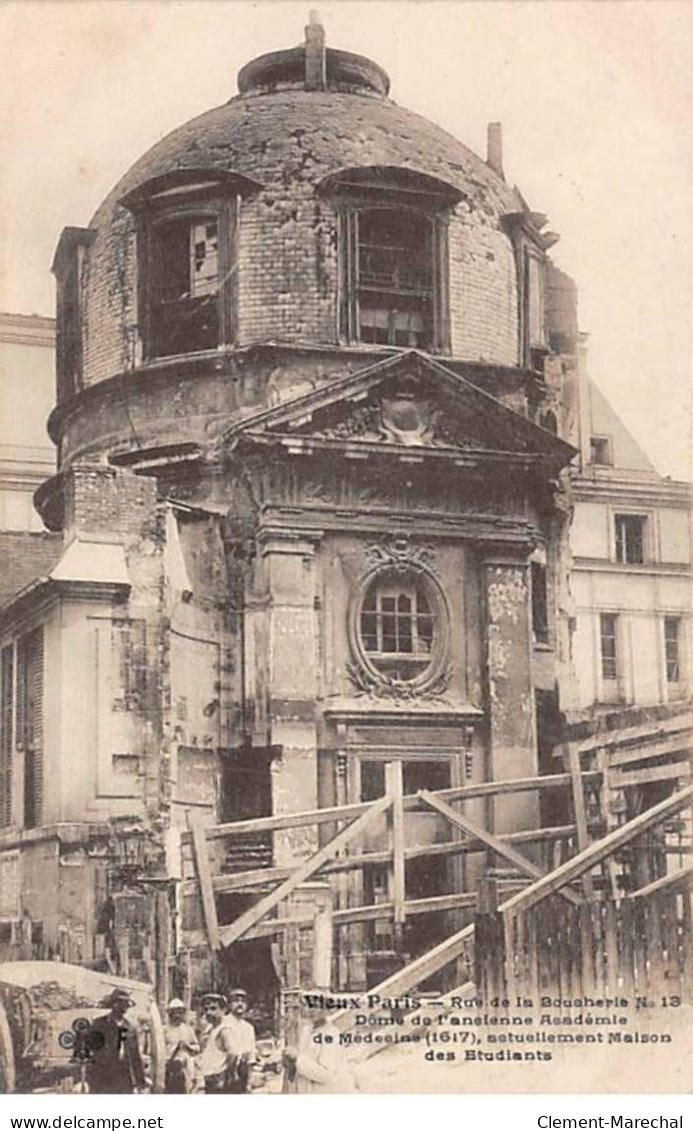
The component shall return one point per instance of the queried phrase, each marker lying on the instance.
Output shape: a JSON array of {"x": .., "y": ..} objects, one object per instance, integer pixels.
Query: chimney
[
  {"x": 316, "y": 71},
  {"x": 494, "y": 148}
]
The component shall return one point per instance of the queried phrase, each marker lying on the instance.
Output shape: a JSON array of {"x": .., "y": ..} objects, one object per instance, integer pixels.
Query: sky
[{"x": 596, "y": 102}]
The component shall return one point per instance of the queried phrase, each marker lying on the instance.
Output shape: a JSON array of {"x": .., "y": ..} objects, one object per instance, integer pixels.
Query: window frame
[
  {"x": 353, "y": 192},
  {"x": 197, "y": 207},
  {"x": 673, "y": 683},
  {"x": 620, "y": 546},
  {"x": 531, "y": 255},
  {"x": 612, "y": 682},
  {"x": 606, "y": 440}
]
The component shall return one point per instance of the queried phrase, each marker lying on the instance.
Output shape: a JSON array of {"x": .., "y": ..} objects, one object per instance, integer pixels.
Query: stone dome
[{"x": 283, "y": 135}]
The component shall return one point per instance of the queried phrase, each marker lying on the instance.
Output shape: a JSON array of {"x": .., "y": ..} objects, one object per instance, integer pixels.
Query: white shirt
[{"x": 321, "y": 1065}]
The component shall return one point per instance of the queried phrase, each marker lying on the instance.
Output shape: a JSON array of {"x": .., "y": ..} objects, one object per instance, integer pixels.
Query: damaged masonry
[{"x": 310, "y": 686}]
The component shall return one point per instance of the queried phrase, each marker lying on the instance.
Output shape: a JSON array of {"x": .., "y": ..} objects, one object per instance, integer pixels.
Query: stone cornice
[{"x": 27, "y": 330}]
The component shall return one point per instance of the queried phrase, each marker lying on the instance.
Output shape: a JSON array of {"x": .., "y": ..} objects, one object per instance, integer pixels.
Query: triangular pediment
[{"x": 408, "y": 401}]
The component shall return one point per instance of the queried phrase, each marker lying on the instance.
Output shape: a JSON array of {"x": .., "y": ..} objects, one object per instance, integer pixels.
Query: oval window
[{"x": 400, "y": 625}]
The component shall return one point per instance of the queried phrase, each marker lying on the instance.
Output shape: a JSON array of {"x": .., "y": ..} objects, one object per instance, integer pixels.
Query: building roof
[{"x": 24, "y": 557}]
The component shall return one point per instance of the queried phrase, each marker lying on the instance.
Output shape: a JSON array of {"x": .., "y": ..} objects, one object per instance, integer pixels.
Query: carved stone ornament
[
  {"x": 407, "y": 416},
  {"x": 402, "y": 553},
  {"x": 383, "y": 687}
]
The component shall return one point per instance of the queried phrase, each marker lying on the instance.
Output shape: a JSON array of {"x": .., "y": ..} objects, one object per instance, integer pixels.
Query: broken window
[
  {"x": 630, "y": 539},
  {"x": 672, "y": 628},
  {"x": 398, "y": 626},
  {"x": 600, "y": 451},
  {"x": 184, "y": 286},
  {"x": 609, "y": 646},
  {"x": 395, "y": 278}
]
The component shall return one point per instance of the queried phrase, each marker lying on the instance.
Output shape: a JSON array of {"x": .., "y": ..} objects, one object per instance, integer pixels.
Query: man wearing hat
[
  {"x": 181, "y": 1046},
  {"x": 228, "y": 1043},
  {"x": 242, "y": 1036},
  {"x": 111, "y": 1050}
]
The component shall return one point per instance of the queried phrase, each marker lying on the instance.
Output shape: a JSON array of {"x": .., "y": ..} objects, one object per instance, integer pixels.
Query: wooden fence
[{"x": 638, "y": 947}]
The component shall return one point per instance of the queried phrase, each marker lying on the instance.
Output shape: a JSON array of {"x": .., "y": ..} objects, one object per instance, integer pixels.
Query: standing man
[
  {"x": 242, "y": 1040},
  {"x": 181, "y": 1046},
  {"x": 215, "y": 1062},
  {"x": 111, "y": 1050}
]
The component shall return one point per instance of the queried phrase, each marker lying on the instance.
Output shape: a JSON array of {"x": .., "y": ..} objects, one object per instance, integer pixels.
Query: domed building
[{"x": 315, "y": 399}]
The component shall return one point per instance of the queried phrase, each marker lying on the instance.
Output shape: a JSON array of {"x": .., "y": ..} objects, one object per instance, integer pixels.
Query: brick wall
[{"x": 103, "y": 501}]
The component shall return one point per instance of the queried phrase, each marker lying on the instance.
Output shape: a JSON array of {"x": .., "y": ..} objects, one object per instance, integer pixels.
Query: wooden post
[
  {"x": 580, "y": 813},
  {"x": 292, "y": 995},
  {"x": 609, "y": 823},
  {"x": 395, "y": 791},
  {"x": 162, "y": 947},
  {"x": 204, "y": 876},
  {"x": 322, "y": 948}
]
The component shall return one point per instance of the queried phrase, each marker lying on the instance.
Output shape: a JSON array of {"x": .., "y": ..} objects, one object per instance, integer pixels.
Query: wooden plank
[
  {"x": 651, "y": 773},
  {"x": 670, "y": 746},
  {"x": 499, "y": 847},
  {"x": 229, "y": 935},
  {"x": 410, "y": 801},
  {"x": 368, "y": 913},
  {"x": 580, "y": 814},
  {"x": 576, "y": 867},
  {"x": 682, "y": 878},
  {"x": 573, "y": 869},
  {"x": 257, "y": 877},
  {"x": 394, "y": 787},
  {"x": 204, "y": 875},
  {"x": 646, "y": 732},
  {"x": 292, "y": 998}
]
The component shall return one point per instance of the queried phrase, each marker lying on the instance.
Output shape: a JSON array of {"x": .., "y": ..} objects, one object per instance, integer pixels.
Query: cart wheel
[
  {"x": 8, "y": 1077},
  {"x": 158, "y": 1048}
]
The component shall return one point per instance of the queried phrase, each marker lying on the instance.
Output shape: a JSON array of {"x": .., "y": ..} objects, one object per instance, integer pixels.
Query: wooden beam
[
  {"x": 576, "y": 867},
  {"x": 498, "y": 846},
  {"x": 679, "y": 744},
  {"x": 261, "y": 877},
  {"x": 229, "y": 935},
  {"x": 204, "y": 875},
  {"x": 410, "y": 801},
  {"x": 649, "y": 774},
  {"x": 682, "y": 878},
  {"x": 580, "y": 813},
  {"x": 647, "y": 733},
  {"x": 450, "y": 948},
  {"x": 394, "y": 787}
]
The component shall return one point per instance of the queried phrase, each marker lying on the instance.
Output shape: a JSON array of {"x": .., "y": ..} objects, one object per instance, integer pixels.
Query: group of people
[{"x": 215, "y": 1055}]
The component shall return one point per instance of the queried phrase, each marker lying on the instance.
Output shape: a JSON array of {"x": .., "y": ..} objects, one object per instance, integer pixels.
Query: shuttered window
[
  {"x": 30, "y": 722},
  {"x": 6, "y": 733}
]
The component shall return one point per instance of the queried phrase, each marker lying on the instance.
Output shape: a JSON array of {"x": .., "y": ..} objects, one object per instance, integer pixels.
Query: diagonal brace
[
  {"x": 502, "y": 848},
  {"x": 235, "y": 931}
]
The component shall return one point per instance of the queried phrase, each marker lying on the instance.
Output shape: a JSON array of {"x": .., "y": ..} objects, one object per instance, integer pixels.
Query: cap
[
  {"x": 237, "y": 992},
  {"x": 213, "y": 996},
  {"x": 119, "y": 994},
  {"x": 175, "y": 1003}
]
